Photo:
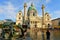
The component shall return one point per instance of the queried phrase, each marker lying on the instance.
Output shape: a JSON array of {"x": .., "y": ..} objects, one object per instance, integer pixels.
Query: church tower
[
  {"x": 47, "y": 19},
  {"x": 25, "y": 12},
  {"x": 19, "y": 19}
]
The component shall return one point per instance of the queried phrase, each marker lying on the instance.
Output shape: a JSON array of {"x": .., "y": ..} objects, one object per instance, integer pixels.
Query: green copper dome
[{"x": 31, "y": 7}]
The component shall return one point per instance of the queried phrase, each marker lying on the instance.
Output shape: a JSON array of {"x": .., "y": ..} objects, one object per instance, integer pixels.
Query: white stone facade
[
  {"x": 19, "y": 19},
  {"x": 31, "y": 17}
]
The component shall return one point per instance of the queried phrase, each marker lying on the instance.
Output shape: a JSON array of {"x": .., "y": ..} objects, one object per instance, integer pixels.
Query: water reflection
[
  {"x": 42, "y": 32},
  {"x": 48, "y": 35},
  {"x": 41, "y": 35}
]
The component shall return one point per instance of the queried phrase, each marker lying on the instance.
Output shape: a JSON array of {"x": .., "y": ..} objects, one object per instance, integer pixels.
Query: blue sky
[{"x": 9, "y": 8}]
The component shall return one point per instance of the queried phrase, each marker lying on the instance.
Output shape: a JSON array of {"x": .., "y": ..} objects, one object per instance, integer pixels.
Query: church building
[{"x": 31, "y": 18}]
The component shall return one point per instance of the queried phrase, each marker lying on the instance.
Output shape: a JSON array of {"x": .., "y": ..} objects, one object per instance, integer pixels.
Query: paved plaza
[{"x": 54, "y": 35}]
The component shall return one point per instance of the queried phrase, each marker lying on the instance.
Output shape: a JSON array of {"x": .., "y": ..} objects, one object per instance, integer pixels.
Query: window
[
  {"x": 28, "y": 22},
  {"x": 18, "y": 23},
  {"x": 47, "y": 15},
  {"x": 31, "y": 21},
  {"x": 48, "y": 18},
  {"x": 33, "y": 14},
  {"x": 48, "y": 25},
  {"x": 19, "y": 18},
  {"x": 59, "y": 23},
  {"x": 19, "y": 13}
]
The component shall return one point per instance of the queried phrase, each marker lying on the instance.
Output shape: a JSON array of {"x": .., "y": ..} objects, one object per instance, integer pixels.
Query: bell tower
[{"x": 19, "y": 18}]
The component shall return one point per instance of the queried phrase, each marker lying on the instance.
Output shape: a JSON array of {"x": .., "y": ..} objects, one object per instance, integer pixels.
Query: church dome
[{"x": 32, "y": 8}]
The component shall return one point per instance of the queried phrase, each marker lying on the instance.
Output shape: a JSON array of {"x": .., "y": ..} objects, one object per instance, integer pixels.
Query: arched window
[
  {"x": 19, "y": 18},
  {"x": 19, "y": 13},
  {"x": 48, "y": 25},
  {"x": 33, "y": 14}
]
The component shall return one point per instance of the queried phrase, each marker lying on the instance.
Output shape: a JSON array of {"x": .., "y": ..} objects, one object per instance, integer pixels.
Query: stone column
[
  {"x": 42, "y": 15},
  {"x": 25, "y": 12}
]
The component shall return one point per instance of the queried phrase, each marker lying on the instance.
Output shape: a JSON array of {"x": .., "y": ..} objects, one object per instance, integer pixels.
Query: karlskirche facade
[{"x": 31, "y": 18}]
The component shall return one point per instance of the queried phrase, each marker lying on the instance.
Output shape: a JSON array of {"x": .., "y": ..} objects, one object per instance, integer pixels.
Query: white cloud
[
  {"x": 10, "y": 7},
  {"x": 9, "y": 10},
  {"x": 1, "y": 10},
  {"x": 55, "y": 14},
  {"x": 48, "y": 1}
]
